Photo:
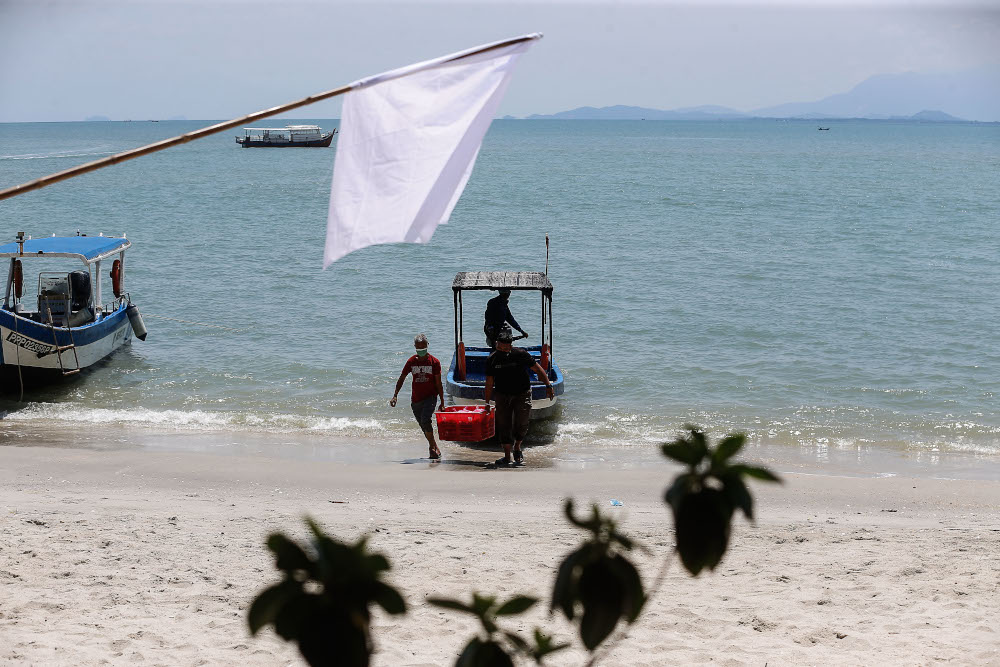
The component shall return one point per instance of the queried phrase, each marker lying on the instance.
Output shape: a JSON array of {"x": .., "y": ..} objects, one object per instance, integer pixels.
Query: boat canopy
[
  {"x": 86, "y": 248},
  {"x": 496, "y": 280}
]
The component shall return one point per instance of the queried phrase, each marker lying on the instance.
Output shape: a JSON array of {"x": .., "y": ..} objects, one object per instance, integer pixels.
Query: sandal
[
  {"x": 434, "y": 455},
  {"x": 519, "y": 458},
  {"x": 502, "y": 462}
]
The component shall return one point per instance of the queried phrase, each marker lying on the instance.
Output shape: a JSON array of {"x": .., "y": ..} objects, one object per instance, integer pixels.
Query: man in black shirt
[
  {"x": 507, "y": 374},
  {"x": 497, "y": 315}
]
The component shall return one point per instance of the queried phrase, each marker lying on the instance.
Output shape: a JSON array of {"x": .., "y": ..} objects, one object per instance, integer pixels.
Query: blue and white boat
[
  {"x": 65, "y": 326},
  {"x": 466, "y": 382}
]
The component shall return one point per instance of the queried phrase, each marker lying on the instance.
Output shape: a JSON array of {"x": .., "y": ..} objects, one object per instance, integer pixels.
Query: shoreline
[
  {"x": 852, "y": 460},
  {"x": 152, "y": 556}
]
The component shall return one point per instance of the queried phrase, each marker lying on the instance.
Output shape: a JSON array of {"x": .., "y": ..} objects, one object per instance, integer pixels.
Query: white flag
[{"x": 408, "y": 141}]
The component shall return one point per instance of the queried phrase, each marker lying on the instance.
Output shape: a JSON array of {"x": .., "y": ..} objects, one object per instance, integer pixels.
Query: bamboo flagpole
[{"x": 237, "y": 122}]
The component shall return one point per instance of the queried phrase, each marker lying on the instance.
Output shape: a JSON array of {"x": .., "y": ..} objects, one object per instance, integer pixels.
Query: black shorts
[
  {"x": 512, "y": 414},
  {"x": 423, "y": 411}
]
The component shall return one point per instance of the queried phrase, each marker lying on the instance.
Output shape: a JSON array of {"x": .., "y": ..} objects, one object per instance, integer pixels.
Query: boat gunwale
[{"x": 537, "y": 386}]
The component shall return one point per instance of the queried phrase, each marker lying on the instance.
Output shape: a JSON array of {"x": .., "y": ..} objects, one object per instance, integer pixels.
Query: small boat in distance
[
  {"x": 290, "y": 136},
  {"x": 466, "y": 381},
  {"x": 64, "y": 327},
  {"x": 822, "y": 128}
]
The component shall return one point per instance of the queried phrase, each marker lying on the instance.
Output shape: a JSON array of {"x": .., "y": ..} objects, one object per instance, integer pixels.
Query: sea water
[{"x": 831, "y": 293}]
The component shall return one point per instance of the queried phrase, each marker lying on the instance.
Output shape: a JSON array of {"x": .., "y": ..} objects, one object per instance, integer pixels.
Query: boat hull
[
  {"x": 471, "y": 391},
  {"x": 30, "y": 346},
  {"x": 323, "y": 142}
]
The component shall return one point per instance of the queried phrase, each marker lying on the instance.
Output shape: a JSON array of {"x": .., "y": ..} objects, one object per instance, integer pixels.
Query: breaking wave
[{"x": 196, "y": 420}]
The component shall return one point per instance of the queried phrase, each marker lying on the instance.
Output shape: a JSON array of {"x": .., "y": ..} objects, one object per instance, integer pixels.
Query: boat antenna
[
  {"x": 243, "y": 120},
  {"x": 546, "y": 254}
]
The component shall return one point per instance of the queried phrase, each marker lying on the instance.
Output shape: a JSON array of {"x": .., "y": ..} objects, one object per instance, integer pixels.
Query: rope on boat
[{"x": 200, "y": 324}]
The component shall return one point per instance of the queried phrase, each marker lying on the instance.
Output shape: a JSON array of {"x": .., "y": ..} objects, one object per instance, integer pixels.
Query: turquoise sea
[{"x": 834, "y": 293}]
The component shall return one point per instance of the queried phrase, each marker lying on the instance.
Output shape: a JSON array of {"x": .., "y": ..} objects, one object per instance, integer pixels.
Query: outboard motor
[
  {"x": 79, "y": 288},
  {"x": 135, "y": 319}
]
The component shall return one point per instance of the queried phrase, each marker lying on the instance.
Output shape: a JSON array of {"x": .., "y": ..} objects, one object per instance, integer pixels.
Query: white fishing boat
[
  {"x": 290, "y": 136},
  {"x": 67, "y": 327}
]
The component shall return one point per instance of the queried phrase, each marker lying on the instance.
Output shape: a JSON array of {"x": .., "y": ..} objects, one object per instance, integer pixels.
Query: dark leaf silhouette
[
  {"x": 758, "y": 473},
  {"x": 323, "y": 602},
  {"x": 518, "y": 642},
  {"x": 739, "y": 494},
  {"x": 454, "y": 605},
  {"x": 633, "y": 597},
  {"x": 728, "y": 447},
  {"x": 516, "y": 605},
  {"x": 268, "y": 603},
  {"x": 289, "y": 555},
  {"x": 479, "y": 653},
  {"x": 704, "y": 498},
  {"x": 388, "y": 598},
  {"x": 702, "y": 522},
  {"x": 596, "y": 582},
  {"x": 544, "y": 646},
  {"x": 489, "y": 649},
  {"x": 680, "y": 453},
  {"x": 565, "y": 594}
]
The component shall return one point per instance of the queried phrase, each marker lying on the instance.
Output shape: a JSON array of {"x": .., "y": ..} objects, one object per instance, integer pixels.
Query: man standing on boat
[
  {"x": 425, "y": 388},
  {"x": 497, "y": 315},
  {"x": 507, "y": 372}
]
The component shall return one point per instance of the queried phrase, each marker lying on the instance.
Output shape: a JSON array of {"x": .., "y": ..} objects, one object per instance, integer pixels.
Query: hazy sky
[{"x": 213, "y": 60}]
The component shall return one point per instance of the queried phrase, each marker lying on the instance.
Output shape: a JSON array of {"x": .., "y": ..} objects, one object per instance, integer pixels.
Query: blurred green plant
[
  {"x": 704, "y": 498},
  {"x": 497, "y": 647},
  {"x": 596, "y": 582},
  {"x": 323, "y": 601}
]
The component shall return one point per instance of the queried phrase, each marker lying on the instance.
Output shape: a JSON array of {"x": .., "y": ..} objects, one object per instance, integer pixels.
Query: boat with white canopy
[{"x": 290, "y": 136}]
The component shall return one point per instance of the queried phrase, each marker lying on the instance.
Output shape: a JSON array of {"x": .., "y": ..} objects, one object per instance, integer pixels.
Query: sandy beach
[{"x": 139, "y": 557}]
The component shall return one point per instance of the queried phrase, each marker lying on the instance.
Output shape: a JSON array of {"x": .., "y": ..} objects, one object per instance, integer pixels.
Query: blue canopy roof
[{"x": 87, "y": 248}]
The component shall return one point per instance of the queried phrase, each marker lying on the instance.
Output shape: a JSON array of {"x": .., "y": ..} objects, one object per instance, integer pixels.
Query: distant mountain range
[{"x": 969, "y": 95}]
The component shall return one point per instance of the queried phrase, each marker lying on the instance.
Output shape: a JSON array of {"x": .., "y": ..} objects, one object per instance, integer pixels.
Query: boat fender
[
  {"x": 18, "y": 279},
  {"x": 116, "y": 278},
  {"x": 460, "y": 363},
  {"x": 544, "y": 359},
  {"x": 135, "y": 319}
]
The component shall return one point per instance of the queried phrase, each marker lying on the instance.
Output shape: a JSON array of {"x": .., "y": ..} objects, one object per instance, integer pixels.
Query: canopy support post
[
  {"x": 121, "y": 272},
  {"x": 552, "y": 353},
  {"x": 95, "y": 296},
  {"x": 10, "y": 282},
  {"x": 543, "y": 320}
]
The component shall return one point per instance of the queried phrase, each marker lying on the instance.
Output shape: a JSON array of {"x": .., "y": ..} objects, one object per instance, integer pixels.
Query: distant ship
[{"x": 300, "y": 136}]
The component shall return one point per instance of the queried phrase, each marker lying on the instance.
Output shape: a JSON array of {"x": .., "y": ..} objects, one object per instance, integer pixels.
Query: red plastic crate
[{"x": 466, "y": 423}]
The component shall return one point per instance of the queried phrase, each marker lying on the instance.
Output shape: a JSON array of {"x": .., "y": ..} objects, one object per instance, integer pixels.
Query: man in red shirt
[{"x": 426, "y": 387}]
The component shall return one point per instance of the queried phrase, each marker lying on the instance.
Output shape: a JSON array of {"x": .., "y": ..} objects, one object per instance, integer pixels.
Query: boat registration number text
[{"x": 27, "y": 343}]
